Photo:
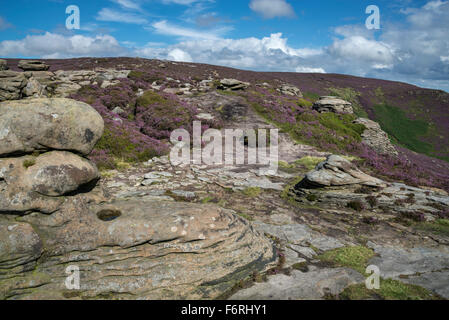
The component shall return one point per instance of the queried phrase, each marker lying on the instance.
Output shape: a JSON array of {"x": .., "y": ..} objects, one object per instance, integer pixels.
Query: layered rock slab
[{"x": 138, "y": 249}]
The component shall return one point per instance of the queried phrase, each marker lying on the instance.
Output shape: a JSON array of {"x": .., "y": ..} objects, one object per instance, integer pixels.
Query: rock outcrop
[
  {"x": 332, "y": 104},
  {"x": 33, "y": 65},
  {"x": 132, "y": 250},
  {"x": 336, "y": 182},
  {"x": 48, "y": 124},
  {"x": 55, "y": 216},
  {"x": 11, "y": 85},
  {"x": 375, "y": 137},
  {"x": 290, "y": 90},
  {"x": 233, "y": 85},
  {"x": 3, "y": 65},
  {"x": 32, "y": 183},
  {"x": 337, "y": 171}
]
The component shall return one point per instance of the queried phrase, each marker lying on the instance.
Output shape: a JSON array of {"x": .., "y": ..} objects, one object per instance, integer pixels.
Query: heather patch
[{"x": 159, "y": 114}]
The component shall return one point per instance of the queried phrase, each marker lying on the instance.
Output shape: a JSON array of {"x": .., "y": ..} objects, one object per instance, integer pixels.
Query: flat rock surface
[{"x": 312, "y": 285}]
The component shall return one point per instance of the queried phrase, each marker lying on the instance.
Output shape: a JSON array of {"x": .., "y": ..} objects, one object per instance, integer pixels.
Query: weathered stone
[
  {"x": 65, "y": 89},
  {"x": 3, "y": 65},
  {"x": 11, "y": 85},
  {"x": 420, "y": 265},
  {"x": 337, "y": 171},
  {"x": 375, "y": 137},
  {"x": 33, "y": 183},
  {"x": 233, "y": 84},
  {"x": 336, "y": 182},
  {"x": 290, "y": 91},
  {"x": 137, "y": 249},
  {"x": 34, "y": 89},
  {"x": 312, "y": 285},
  {"x": 33, "y": 65},
  {"x": 20, "y": 246},
  {"x": 332, "y": 104},
  {"x": 45, "y": 124},
  {"x": 57, "y": 173}
]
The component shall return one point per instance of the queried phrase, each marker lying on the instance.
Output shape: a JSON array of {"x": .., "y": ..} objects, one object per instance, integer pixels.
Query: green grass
[
  {"x": 401, "y": 129},
  {"x": 311, "y": 96},
  {"x": 440, "y": 227},
  {"x": 151, "y": 97},
  {"x": 355, "y": 257},
  {"x": 309, "y": 162},
  {"x": 352, "y": 96},
  {"x": 29, "y": 163},
  {"x": 252, "y": 192},
  {"x": 389, "y": 290}
]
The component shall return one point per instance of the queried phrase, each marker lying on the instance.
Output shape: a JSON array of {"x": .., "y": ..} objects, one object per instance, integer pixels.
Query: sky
[{"x": 411, "y": 43}]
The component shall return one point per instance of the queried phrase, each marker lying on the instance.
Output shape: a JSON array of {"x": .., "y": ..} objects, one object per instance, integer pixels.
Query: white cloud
[
  {"x": 360, "y": 49},
  {"x": 309, "y": 70},
  {"x": 179, "y": 55},
  {"x": 272, "y": 8},
  {"x": 52, "y": 45},
  {"x": 111, "y": 15},
  {"x": 128, "y": 4}
]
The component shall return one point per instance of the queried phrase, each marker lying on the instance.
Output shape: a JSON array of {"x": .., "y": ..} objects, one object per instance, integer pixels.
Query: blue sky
[{"x": 271, "y": 35}]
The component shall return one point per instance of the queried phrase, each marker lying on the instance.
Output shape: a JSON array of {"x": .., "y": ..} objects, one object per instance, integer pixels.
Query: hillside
[{"x": 87, "y": 180}]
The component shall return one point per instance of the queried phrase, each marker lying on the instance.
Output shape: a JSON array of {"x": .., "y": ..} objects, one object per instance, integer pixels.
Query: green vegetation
[
  {"x": 245, "y": 216},
  {"x": 403, "y": 130},
  {"x": 252, "y": 192},
  {"x": 352, "y": 96},
  {"x": 311, "y": 96},
  {"x": 120, "y": 146},
  {"x": 29, "y": 163},
  {"x": 304, "y": 103},
  {"x": 150, "y": 98},
  {"x": 356, "y": 205},
  {"x": 389, "y": 290},
  {"x": 312, "y": 197},
  {"x": 330, "y": 131},
  {"x": 440, "y": 227},
  {"x": 355, "y": 257},
  {"x": 309, "y": 162}
]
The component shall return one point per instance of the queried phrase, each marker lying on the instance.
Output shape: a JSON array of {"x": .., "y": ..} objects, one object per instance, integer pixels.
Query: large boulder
[
  {"x": 57, "y": 173},
  {"x": 336, "y": 182},
  {"x": 33, "y": 65},
  {"x": 137, "y": 249},
  {"x": 11, "y": 85},
  {"x": 375, "y": 137},
  {"x": 332, "y": 104},
  {"x": 337, "y": 171},
  {"x": 45, "y": 124},
  {"x": 290, "y": 90},
  {"x": 233, "y": 85},
  {"x": 34, "y": 183},
  {"x": 3, "y": 65}
]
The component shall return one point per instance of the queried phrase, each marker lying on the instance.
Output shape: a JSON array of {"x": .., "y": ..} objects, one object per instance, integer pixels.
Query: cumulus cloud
[
  {"x": 50, "y": 45},
  {"x": 415, "y": 51},
  {"x": 270, "y": 9}
]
